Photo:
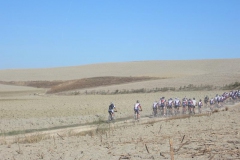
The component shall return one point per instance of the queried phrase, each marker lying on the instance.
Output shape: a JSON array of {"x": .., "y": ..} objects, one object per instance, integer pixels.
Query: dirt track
[
  {"x": 28, "y": 112},
  {"x": 103, "y": 125}
]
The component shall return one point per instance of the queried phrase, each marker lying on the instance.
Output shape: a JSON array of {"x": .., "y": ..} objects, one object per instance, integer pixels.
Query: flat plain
[{"x": 29, "y": 113}]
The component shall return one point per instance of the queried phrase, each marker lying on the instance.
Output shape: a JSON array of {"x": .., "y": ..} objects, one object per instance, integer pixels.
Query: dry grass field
[{"x": 29, "y": 111}]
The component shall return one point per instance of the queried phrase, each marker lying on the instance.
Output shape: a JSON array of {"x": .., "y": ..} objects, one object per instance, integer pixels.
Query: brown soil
[{"x": 61, "y": 86}]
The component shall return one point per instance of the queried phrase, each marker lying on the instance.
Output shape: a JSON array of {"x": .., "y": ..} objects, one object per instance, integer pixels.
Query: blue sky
[{"x": 43, "y": 34}]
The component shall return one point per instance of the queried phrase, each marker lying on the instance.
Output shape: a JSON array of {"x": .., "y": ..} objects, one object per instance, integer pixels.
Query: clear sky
[{"x": 54, "y": 33}]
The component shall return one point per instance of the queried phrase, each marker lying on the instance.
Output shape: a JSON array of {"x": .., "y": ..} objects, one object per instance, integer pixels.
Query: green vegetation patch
[{"x": 232, "y": 86}]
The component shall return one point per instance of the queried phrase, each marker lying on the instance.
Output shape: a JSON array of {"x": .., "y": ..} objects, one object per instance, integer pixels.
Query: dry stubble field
[{"x": 205, "y": 137}]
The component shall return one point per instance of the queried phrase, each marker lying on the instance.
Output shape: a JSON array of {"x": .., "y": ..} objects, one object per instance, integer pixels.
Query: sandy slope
[
  {"x": 23, "y": 108},
  {"x": 7, "y": 88},
  {"x": 142, "y": 68},
  {"x": 206, "y": 137},
  {"x": 179, "y": 73}
]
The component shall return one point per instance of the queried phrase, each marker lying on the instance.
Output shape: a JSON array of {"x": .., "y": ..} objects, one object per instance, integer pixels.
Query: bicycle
[
  {"x": 163, "y": 111},
  {"x": 175, "y": 111},
  {"x": 136, "y": 114},
  {"x": 111, "y": 116},
  {"x": 199, "y": 109},
  {"x": 154, "y": 112},
  {"x": 169, "y": 111},
  {"x": 155, "y": 108},
  {"x": 184, "y": 109},
  {"x": 190, "y": 110}
]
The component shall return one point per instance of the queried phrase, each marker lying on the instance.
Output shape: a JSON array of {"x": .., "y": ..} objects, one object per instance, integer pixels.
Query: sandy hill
[
  {"x": 216, "y": 72},
  {"x": 74, "y": 127}
]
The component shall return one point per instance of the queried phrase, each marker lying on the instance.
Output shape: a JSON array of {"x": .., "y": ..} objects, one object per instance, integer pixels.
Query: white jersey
[
  {"x": 219, "y": 98},
  {"x": 199, "y": 104},
  {"x": 136, "y": 106},
  {"x": 170, "y": 102},
  {"x": 212, "y": 101},
  {"x": 177, "y": 102},
  {"x": 194, "y": 102},
  {"x": 155, "y": 105}
]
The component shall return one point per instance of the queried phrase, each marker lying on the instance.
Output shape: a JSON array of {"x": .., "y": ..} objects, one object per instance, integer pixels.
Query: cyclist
[
  {"x": 111, "y": 110},
  {"x": 137, "y": 108},
  {"x": 200, "y": 106},
  {"x": 184, "y": 105},
  {"x": 238, "y": 95},
  {"x": 216, "y": 100},
  {"x": 211, "y": 103},
  {"x": 162, "y": 104},
  {"x": 225, "y": 96},
  {"x": 234, "y": 96},
  {"x": 206, "y": 99},
  {"x": 190, "y": 104},
  {"x": 220, "y": 101},
  {"x": 154, "y": 106},
  {"x": 169, "y": 106},
  {"x": 177, "y": 104},
  {"x": 193, "y": 105}
]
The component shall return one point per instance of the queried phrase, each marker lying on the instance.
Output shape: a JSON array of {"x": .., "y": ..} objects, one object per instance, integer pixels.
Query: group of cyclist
[
  {"x": 167, "y": 107},
  {"x": 220, "y": 100},
  {"x": 172, "y": 106}
]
